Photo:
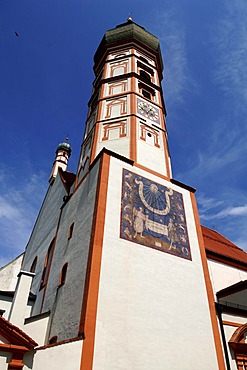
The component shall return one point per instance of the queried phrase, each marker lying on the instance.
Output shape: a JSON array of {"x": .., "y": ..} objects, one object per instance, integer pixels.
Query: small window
[
  {"x": 145, "y": 75},
  {"x": 34, "y": 264},
  {"x": 63, "y": 274},
  {"x": 146, "y": 94},
  {"x": 70, "y": 232},
  {"x": 146, "y": 90},
  {"x": 53, "y": 339}
]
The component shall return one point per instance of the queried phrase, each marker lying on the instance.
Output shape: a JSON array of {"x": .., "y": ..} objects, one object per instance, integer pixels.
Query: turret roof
[
  {"x": 65, "y": 146},
  {"x": 127, "y": 31}
]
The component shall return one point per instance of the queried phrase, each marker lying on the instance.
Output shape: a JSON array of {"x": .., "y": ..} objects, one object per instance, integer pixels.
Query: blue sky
[{"x": 45, "y": 82}]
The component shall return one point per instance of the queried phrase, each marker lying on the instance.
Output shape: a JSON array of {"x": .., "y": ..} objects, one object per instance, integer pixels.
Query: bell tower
[{"x": 126, "y": 111}]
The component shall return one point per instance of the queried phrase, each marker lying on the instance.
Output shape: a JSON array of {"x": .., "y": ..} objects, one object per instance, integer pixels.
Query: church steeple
[
  {"x": 63, "y": 153},
  {"x": 126, "y": 110}
]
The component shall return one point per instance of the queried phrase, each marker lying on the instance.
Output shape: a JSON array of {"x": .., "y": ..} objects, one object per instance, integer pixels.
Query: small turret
[{"x": 63, "y": 153}]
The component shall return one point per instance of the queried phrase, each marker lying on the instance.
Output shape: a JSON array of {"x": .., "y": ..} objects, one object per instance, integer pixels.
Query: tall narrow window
[
  {"x": 47, "y": 264},
  {"x": 63, "y": 274},
  {"x": 34, "y": 264},
  {"x": 70, "y": 232}
]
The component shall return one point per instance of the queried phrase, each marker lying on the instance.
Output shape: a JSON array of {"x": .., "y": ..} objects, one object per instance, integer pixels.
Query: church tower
[
  {"x": 116, "y": 260},
  {"x": 126, "y": 111}
]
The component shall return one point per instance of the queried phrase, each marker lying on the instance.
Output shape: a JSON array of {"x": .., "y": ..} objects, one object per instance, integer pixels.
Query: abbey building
[{"x": 118, "y": 272}]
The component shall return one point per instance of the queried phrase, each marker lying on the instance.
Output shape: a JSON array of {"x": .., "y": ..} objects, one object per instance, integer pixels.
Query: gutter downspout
[{"x": 223, "y": 337}]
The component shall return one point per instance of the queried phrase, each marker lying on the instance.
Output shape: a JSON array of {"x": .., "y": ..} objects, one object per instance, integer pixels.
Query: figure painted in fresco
[
  {"x": 139, "y": 221},
  {"x": 172, "y": 233},
  {"x": 153, "y": 215}
]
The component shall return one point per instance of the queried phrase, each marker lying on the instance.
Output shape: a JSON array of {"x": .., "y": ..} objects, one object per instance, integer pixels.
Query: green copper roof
[
  {"x": 128, "y": 31},
  {"x": 65, "y": 146}
]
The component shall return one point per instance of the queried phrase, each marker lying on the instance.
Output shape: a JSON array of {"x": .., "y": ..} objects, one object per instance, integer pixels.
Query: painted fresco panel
[{"x": 153, "y": 215}]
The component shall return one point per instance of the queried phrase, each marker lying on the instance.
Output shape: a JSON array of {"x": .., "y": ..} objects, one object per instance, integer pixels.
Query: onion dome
[{"x": 65, "y": 146}]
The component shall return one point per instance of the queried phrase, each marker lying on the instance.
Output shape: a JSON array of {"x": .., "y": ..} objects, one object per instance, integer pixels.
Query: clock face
[{"x": 148, "y": 111}]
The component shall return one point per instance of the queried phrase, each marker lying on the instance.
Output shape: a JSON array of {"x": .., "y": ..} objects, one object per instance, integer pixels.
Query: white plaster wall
[
  {"x": 120, "y": 145},
  {"x": 61, "y": 357},
  {"x": 118, "y": 89},
  {"x": 37, "y": 330},
  {"x": 5, "y": 358},
  {"x": 223, "y": 276},
  {"x": 149, "y": 155},
  {"x": 5, "y": 304},
  {"x": 8, "y": 274},
  {"x": 152, "y": 308},
  {"x": 112, "y": 63},
  {"x": 20, "y": 307},
  {"x": 116, "y": 110},
  {"x": 234, "y": 318}
]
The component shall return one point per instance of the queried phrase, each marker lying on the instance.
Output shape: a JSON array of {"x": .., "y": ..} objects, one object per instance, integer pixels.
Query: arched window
[
  {"x": 70, "y": 232},
  {"x": 239, "y": 346},
  {"x": 34, "y": 264},
  {"x": 47, "y": 264},
  {"x": 53, "y": 339},
  {"x": 63, "y": 274}
]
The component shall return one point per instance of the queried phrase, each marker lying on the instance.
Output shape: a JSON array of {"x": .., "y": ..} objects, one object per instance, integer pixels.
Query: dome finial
[
  {"x": 129, "y": 19},
  {"x": 65, "y": 146}
]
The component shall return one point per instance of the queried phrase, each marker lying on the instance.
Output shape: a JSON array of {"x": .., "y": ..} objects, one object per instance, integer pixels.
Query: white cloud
[
  {"x": 226, "y": 212},
  {"x": 19, "y": 204},
  {"x": 207, "y": 204},
  {"x": 230, "y": 48},
  {"x": 171, "y": 34},
  {"x": 8, "y": 210},
  {"x": 241, "y": 242}
]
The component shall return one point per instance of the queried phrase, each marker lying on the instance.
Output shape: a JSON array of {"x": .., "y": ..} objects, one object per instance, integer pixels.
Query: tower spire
[{"x": 63, "y": 153}]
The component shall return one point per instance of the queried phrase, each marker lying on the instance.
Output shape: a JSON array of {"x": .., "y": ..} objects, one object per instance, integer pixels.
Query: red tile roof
[
  {"x": 15, "y": 335},
  {"x": 217, "y": 245},
  {"x": 68, "y": 179}
]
